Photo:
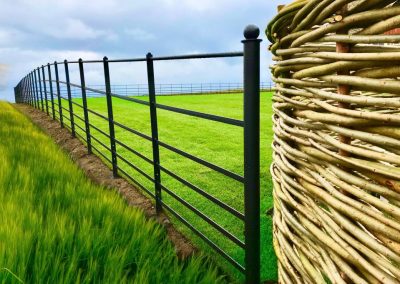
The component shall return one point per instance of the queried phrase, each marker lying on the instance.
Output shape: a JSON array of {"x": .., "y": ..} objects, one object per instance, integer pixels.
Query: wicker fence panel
[{"x": 336, "y": 168}]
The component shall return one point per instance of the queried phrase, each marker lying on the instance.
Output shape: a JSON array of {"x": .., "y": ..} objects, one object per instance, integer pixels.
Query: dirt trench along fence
[
  {"x": 336, "y": 168},
  {"x": 37, "y": 89}
]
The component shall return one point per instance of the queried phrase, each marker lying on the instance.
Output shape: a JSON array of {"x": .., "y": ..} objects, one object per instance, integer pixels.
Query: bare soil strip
[{"x": 100, "y": 174}]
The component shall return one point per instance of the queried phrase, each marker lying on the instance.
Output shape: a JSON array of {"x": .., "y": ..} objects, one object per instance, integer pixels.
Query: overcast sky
[{"x": 36, "y": 32}]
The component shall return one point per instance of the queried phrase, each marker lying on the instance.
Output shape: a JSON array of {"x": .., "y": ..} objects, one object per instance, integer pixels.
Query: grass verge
[
  {"x": 57, "y": 227},
  {"x": 212, "y": 141}
]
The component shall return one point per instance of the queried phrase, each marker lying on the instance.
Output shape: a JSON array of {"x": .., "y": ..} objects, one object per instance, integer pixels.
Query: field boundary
[
  {"x": 37, "y": 89},
  {"x": 165, "y": 89},
  {"x": 100, "y": 174}
]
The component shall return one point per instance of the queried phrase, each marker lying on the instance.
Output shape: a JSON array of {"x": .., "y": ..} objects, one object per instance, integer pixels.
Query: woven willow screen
[{"x": 336, "y": 168}]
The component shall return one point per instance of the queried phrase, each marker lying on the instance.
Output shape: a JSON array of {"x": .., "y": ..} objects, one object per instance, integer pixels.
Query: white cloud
[
  {"x": 200, "y": 6},
  {"x": 139, "y": 34},
  {"x": 77, "y": 29},
  {"x": 21, "y": 61},
  {"x": 36, "y": 32},
  {"x": 10, "y": 36}
]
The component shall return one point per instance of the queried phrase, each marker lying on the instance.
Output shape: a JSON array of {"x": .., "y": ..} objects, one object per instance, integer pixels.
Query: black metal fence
[
  {"x": 171, "y": 89},
  {"x": 36, "y": 89}
]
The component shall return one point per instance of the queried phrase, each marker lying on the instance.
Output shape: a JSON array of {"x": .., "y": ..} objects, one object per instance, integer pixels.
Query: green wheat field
[{"x": 57, "y": 227}]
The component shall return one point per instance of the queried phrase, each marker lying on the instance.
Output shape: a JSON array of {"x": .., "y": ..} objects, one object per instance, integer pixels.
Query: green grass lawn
[
  {"x": 57, "y": 227},
  {"x": 215, "y": 142}
]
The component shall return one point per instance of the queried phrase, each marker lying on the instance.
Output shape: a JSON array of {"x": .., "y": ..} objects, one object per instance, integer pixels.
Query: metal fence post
[
  {"x": 154, "y": 130},
  {"x": 21, "y": 94},
  {"x": 51, "y": 91},
  {"x": 17, "y": 98},
  {"x": 35, "y": 93},
  {"x": 26, "y": 85},
  {"x": 71, "y": 109},
  {"x": 45, "y": 91},
  {"x": 28, "y": 91},
  {"x": 40, "y": 88},
  {"x": 85, "y": 108},
  {"x": 21, "y": 91},
  {"x": 24, "y": 94},
  {"x": 110, "y": 117},
  {"x": 252, "y": 152},
  {"x": 35, "y": 88},
  {"x": 58, "y": 94},
  {"x": 32, "y": 89}
]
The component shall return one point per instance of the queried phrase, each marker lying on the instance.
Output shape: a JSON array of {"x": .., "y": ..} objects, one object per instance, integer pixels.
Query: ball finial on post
[{"x": 251, "y": 32}]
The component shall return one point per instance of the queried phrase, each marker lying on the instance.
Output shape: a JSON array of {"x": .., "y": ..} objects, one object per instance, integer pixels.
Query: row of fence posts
[
  {"x": 180, "y": 89},
  {"x": 189, "y": 88},
  {"x": 29, "y": 85}
]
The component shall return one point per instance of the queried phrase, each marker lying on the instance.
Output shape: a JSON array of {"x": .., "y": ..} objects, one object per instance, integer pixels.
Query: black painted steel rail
[{"x": 36, "y": 89}]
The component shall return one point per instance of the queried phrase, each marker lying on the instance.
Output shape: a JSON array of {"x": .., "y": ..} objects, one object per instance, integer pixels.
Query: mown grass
[
  {"x": 57, "y": 227},
  {"x": 215, "y": 142}
]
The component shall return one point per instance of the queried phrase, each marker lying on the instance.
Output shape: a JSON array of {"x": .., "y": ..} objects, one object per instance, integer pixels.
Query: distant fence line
[
  {"x": 37, "y": 89},
  {"x": 170, "y": 89}
]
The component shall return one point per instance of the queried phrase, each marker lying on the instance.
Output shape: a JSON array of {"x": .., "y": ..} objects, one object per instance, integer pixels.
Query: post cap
[
  {"x": 251, "y": 32},
  {"x": 105, "y": 58},
  {"x": 80, "y": 60},
  {"x": 65, "y": 61}
]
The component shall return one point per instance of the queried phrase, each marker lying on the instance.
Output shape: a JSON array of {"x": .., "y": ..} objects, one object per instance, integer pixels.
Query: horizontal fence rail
[
  {"x": 67, "y": 102},
  {"x": 172, "y": 89}
]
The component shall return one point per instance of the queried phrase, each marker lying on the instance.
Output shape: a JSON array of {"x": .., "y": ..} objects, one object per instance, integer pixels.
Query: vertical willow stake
[
  {"x": 342, "y": 47},
  {"x": 252, "y": 153},
  {"x": 320, "y": 176}
]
